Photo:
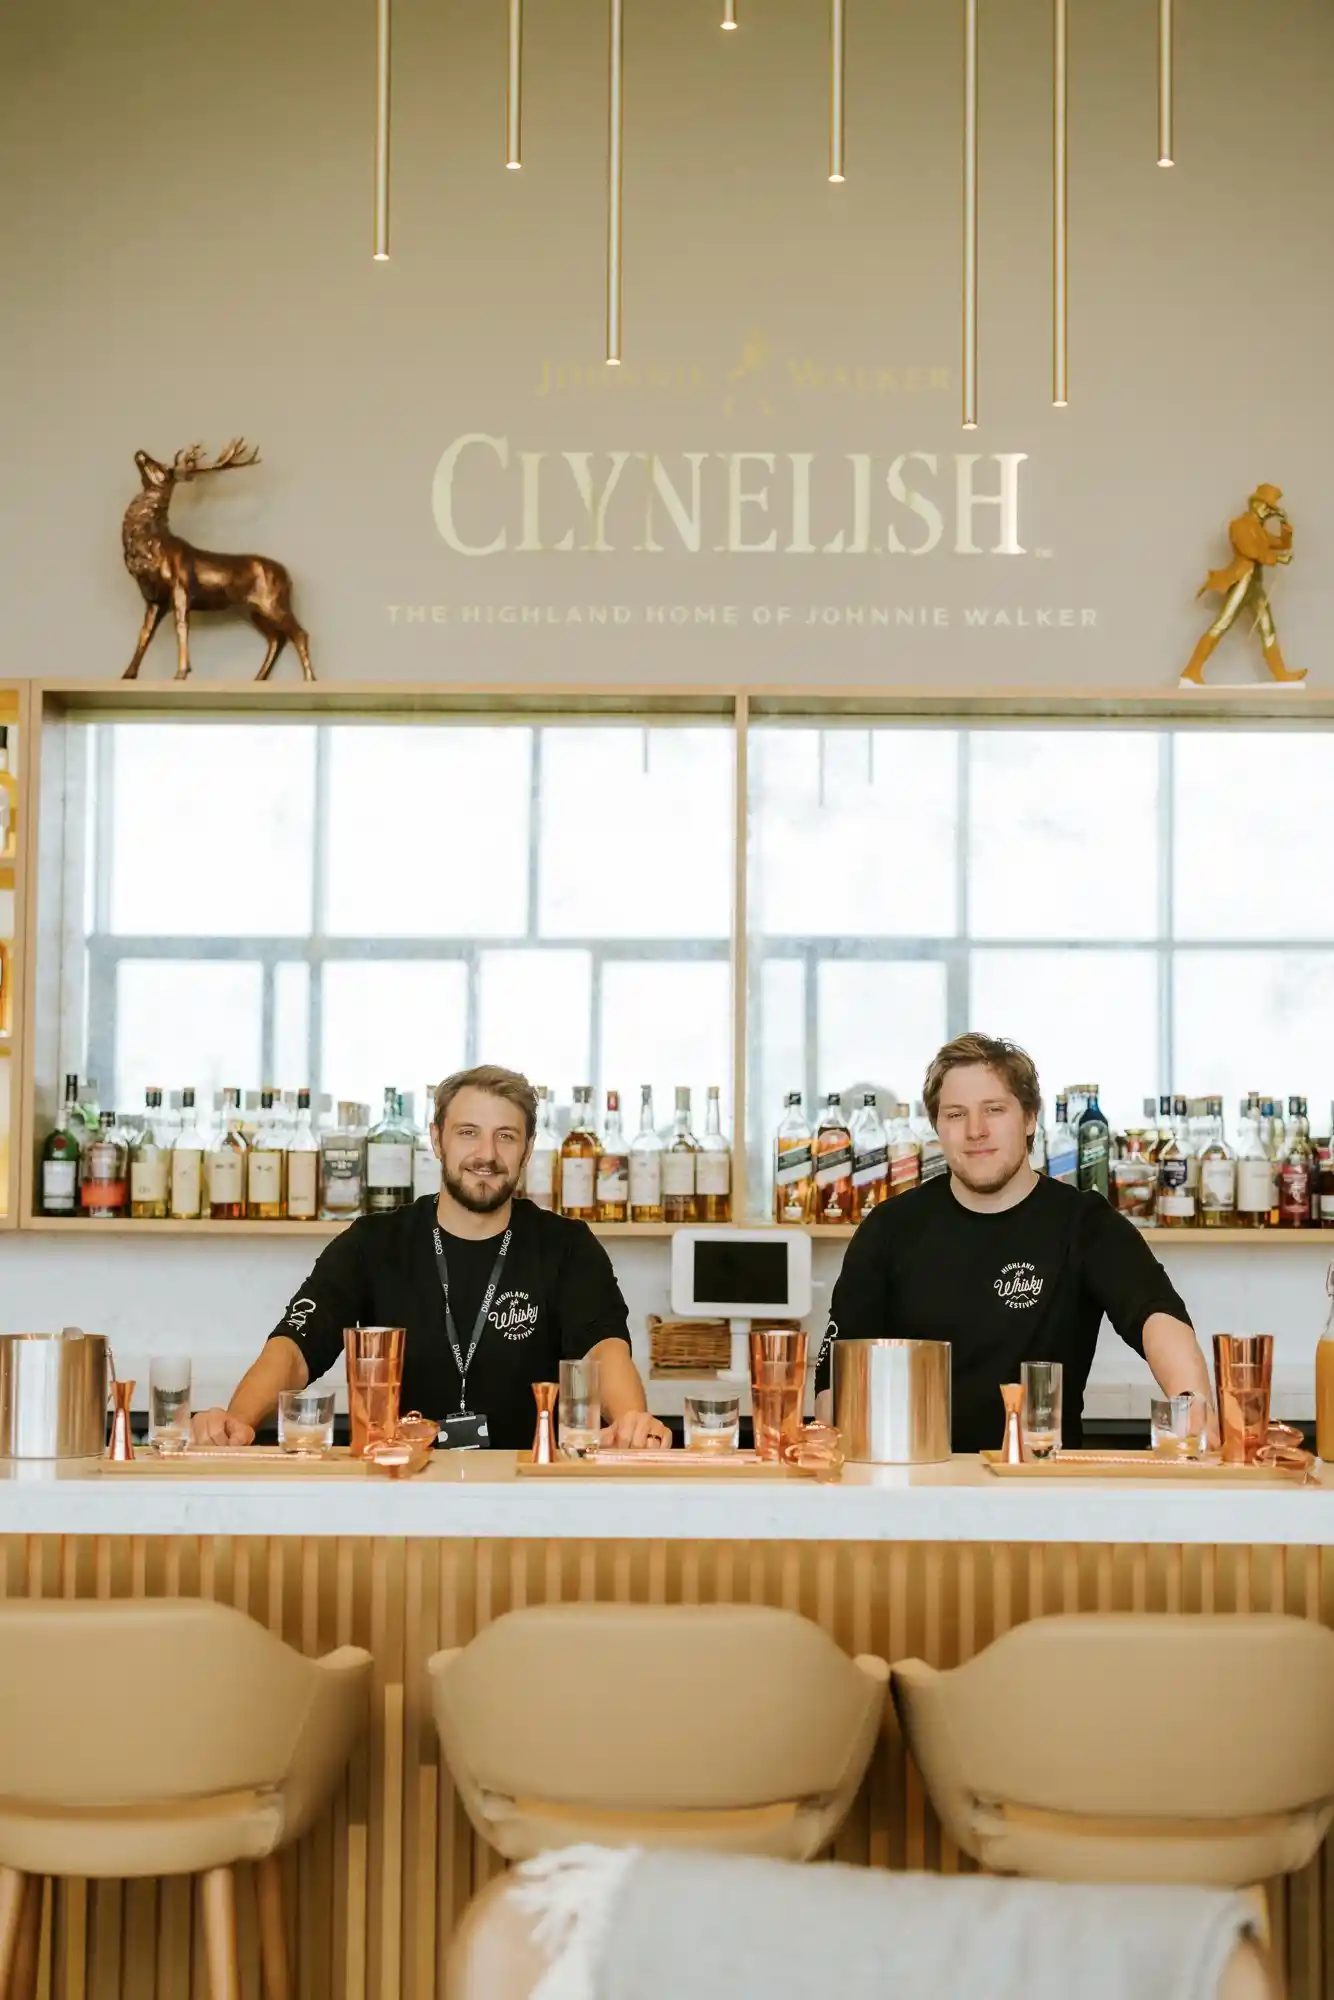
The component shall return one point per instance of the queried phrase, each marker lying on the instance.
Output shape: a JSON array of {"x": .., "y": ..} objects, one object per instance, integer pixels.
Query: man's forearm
[
  {"x": 280, "y": 1366},
  {"x": 622, "y": 1390},
  {"x": 1173, "y": 1353}
]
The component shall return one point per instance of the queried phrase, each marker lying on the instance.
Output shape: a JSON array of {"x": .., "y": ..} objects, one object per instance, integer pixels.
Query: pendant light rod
[
  {"x": 381, "y": 251},
  {"x": 615, "y": 77},
  {"x": 1060, "y": 247},
  {"x": 836, "y": 43},
  {"x": 514, "y": 95},
  {"x": 1166, "y": 85},
  {"x": 970, "y": 214}
]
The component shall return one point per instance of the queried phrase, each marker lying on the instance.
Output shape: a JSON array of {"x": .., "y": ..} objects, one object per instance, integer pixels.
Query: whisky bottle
[
  {"x": 870, "y": 1158},
  {"x": 1326, "y": 1208},
  {"x": 1094, "y": 1151},
  {"x": 646, "y": 1164},
  {"x": 713, "y": 1167},
  {"x": 1218, "y": 1174},
  {"x": 1063, "y": 1147},
  {"x": 579, "y": 1160},
  {"x": 541, "y": 1176},
  {"x": 302, "y": 1165},
  {"x": 928, "y": 1139},
  {"x": 106, "y": 1168},
  {"x": 1273, "y": 1139},
  {"x": 425, "y": 1166},
  {"x": 680, "y": 1163},
  {"x": 343, "y": 1163},
  {"x": 1298, "y": 1171},
  {"x": 60, "y": 1158},
  {"x": 1176, "y": 1203},
  {"x": 905, "y": 1154},
  {"x": 149, "y": 1164},
  {"x": 833, "y": 1165},
  {"x": 389, "y": 1159},
  {"x": 613, "y": 1175},
  {"x": 265, "y": 1168},
  {"x": 224, "y": 1168},
  {"x": 9, "y": 801},
  {"x": 1254, "y": 1171},
  {"x": 186, "y": 1198},
  {"x": 793, "y": 1172}
]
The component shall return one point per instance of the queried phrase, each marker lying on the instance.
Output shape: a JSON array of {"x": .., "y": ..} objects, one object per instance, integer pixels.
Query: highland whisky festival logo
[
  {"x": 1018, "y": 1286},
  {"x": 514, "y": 1315}
]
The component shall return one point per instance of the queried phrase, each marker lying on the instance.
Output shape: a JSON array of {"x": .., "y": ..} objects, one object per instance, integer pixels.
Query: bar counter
[{"x": 934, "y": 1562}]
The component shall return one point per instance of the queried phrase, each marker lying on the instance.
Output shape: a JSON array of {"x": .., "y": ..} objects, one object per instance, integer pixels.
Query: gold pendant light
[
  {"x": 381, "y": 251},
  {"x": 970, "y": 215},
  {"x": 1165, "y": 84},
  {"x": 1060, "y": 249},
  {"x": 514, "y": 95},
  {"x": 614, "y": 185},
  {"x": 836, "y": 90}
]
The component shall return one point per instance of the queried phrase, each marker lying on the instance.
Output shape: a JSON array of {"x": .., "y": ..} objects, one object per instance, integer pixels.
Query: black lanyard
[{"x": 465, "y": 1361}]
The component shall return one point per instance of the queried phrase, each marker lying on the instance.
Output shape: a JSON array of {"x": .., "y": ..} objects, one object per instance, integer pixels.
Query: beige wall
[{"x": 187, "y": 247}]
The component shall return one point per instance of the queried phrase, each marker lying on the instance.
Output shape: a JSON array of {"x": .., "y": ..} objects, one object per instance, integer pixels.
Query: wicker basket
[{"x": 689, "y": 1346}]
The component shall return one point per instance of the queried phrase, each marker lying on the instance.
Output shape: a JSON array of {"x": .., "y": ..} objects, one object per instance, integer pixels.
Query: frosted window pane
[
  {"x": 880, "y": 1025},
  {"x": 427, "y": 832},
  {"x": 636, "y": 833},
  {"x": 1064, "y": 835},
  {"x": 290, "y": 1069},
  {"x": 1247, "y": 810},
  {"x": 391, "y": 1022},
  {"x": 1083, "y": 1016},
  {"x": 535, "y": 1014},
  {"x": 184, "y": 1021},
  {"x": 213, "y": 827},
  {"x": 852, "y": 832},
  {"x": 666, "y": 1025},
  {"x": 1256, "y": 1020},
  {"x": 777, "y": 1057}
]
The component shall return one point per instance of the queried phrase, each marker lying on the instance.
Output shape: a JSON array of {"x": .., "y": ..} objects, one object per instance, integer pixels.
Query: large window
[{"x": 351, "y": 905}]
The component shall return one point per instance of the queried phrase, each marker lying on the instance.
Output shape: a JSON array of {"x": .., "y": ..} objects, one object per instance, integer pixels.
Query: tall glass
[
  {"x": 169, "y": 1402},
  {"x": 1041, "y": 1420},
  {"x": 580, "y": 1412},
  {"x": 374, "y": 1356},
  {"x": 777, "y": 1392},
  {"x": 1243, "y": 1371}
]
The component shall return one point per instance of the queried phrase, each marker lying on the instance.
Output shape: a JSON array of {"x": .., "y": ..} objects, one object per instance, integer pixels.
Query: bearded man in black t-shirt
[{"x": 1003, "y": 1263}]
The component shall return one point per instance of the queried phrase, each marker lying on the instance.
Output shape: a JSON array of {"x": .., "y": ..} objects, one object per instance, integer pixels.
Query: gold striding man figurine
[{"x": 1241, "y": 584}]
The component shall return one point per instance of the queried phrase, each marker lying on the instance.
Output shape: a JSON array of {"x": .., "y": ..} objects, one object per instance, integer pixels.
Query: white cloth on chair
[{"x": 635, "y": 1925}]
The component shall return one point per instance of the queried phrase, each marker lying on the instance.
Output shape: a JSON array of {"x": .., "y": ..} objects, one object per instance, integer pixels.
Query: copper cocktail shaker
[
  {"x": 1243, "y": 1373},
  {"x": 374, "y": 1357}
]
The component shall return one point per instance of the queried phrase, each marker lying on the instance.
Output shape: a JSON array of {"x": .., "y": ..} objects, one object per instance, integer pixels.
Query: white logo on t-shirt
[
  {"x": 299, "y": 1312},
  {"x": 1018, "y": 1286},
  {"x": 514, "y": 1315}
]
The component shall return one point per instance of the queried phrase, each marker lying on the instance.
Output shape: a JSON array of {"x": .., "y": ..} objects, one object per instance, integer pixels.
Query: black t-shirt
[
  {"x": 557, "y": 1297},
  {"x": 1028, "y": 1283}
]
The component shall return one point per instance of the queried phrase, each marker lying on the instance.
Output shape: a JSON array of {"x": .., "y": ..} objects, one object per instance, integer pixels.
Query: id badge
[{"x": 466, "y": 1430}]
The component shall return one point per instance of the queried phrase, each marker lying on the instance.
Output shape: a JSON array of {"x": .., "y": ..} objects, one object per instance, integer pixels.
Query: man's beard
[
  {"x": 997, "y": 1178},
  {"x": 484, "y": 1200}
]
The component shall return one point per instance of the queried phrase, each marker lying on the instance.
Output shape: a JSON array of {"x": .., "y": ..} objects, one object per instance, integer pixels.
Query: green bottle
[{"x": 1093, "y": 1147}]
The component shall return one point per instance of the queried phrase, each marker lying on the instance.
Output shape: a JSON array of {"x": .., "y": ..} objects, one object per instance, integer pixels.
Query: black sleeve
[
  {"x": 1122, "y": 1275},
  {"x": 587, "y": 1299},
  {"x": 333, "y": 1296},
  {"x": 859, "y": 1309}
]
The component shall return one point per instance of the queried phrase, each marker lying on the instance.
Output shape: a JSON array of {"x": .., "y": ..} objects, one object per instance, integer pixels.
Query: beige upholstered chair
[
  {"x": 731, "y": 1727},
  {"x": 493, "y": 1956},
  {"x": 163, "y": 1737},
  {"x": 1132, "y": 1748}
]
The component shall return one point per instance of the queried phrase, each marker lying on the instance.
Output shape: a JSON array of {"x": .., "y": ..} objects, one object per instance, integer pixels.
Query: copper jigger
[
  {"x": 122, "y": 1444},
  {"x": 1243, "y": 1373},
  {"x": 1013, "y": 1450},
  {"x": 777, "y": 1392},
  {"x": 544, "y": 1437},
  {"x": 374, "y": 1356}
]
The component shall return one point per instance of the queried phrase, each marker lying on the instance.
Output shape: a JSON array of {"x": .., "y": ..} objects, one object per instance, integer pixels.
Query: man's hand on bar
[
  {"x": 219, "y": 1426},
  {"x": 636, "y": 1430}
]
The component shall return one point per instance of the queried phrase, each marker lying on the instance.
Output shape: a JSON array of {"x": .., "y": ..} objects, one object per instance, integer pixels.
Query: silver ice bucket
[
  {"x": 53, "y": 1394},
  {"x": 892, "y": 1400}
]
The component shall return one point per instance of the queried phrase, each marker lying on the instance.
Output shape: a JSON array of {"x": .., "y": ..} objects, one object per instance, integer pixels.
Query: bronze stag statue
[{"x": 172, "y": 573}]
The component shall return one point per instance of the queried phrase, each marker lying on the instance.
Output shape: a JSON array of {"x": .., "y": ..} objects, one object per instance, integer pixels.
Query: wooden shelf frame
[{"x": 46, "y": 706}]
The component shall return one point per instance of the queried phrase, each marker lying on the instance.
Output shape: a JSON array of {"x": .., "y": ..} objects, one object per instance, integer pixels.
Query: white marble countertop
[{"x": 480, "y": 1495}]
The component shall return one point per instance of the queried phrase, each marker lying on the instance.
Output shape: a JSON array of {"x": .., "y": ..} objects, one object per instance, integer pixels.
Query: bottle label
[
  {"x": 58, "y": 1181},
  {"x": 678, "y": 1173},
  {"x": 539, "y": 1176},
  {"x": 933, "y": 1164},
  {"x": 1255, "y": 1186},
  {"x": 425, "y": 1172},
  {"x": 613, "y": 1178},
  {"x": 870, "y": 1166},
  {"x": 187, "y": 1183},
  {"x": 1295, "y": 1190},
  {"x": 302, "y": 1185},
  {"x": 226, "y": 1176},
  {"x": 1218, "y": 1184},
  {"x": 834, "y": 1166},
  {"x": 148, "y": 1179},
  {"x": 388, "y": 1165},
  {"x": 646, "y": 1180},
  {"x": 102, "y": 1194},
  {"x": 1181, "y": 1205},
  {"x": 794, "y": 1161},
  {"x": 266, "y": 1177},
  {"x": 713, "y": 1172},
  {"x": 1326, "y": 1208},
  {"x": 342, "y": 1169},
  {"x": 578, "y": 1182},
  {"x": 905, "y": 1170}
]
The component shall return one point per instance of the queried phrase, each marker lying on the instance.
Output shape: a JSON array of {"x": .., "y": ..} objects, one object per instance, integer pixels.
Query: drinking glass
[
  {"x": 169, "y": 1402},
  {"x": 1042, "y": 1408},
  {"x": 580, "y": 1409},
  {"x": 777, "y": 1391},
  {"x": 1178, "y": 1426},
  {"x": 1243, "y": 1371},
  {"x": 712, "y": 1423},
  {"x": 306, "y": 1421}
]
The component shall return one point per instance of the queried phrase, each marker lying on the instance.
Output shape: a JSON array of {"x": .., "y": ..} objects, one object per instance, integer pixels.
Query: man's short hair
[
  {"x": 496, "y": 1082},
  {"x": 1012, "y": 1064}
]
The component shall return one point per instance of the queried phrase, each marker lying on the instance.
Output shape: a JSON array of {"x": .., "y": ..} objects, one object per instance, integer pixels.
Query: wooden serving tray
[
  {"x": 1142, "y": 1465},
  {"x": 680, "y": 1464}
]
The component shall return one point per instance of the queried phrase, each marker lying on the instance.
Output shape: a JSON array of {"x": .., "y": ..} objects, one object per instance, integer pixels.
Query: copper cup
[
  {"x": 374, "y": 1356},
  {"x": 1243, "y": 1373},
  {"x": 777, "y": 1392}
]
